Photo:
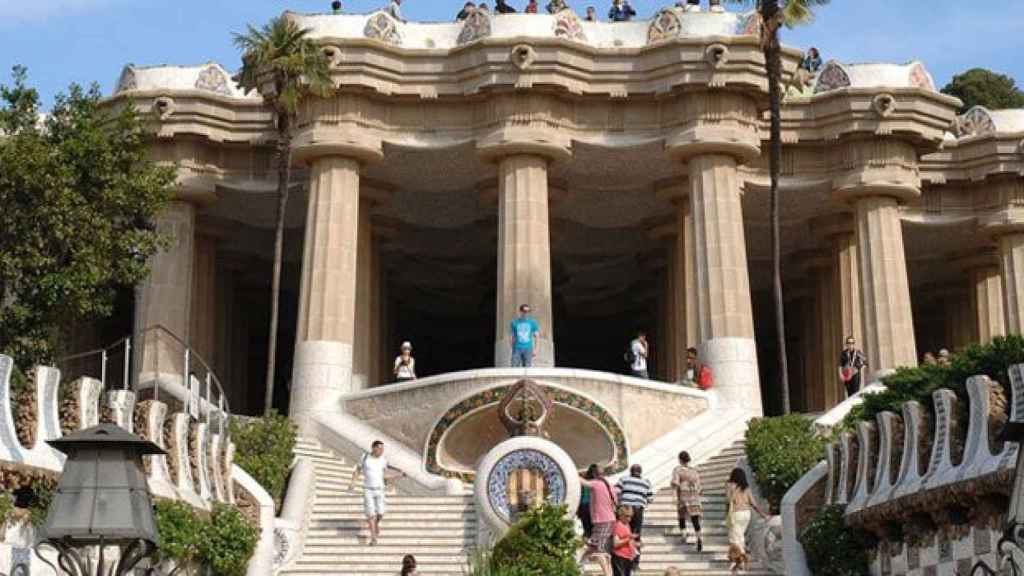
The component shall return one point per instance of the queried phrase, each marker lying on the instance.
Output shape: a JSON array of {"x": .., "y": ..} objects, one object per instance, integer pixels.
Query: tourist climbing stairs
[{"x": 441, "y": 530}]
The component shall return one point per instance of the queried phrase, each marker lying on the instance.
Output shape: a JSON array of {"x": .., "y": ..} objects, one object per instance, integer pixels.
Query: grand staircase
[{"x": 441, "y": 530}]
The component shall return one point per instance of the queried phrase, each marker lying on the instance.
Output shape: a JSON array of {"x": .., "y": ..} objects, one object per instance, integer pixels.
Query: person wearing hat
[{"x": 405, "y": 364}]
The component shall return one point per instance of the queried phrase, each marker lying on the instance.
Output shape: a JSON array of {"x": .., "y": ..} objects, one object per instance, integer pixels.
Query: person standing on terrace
[
  {"x": 395, "y": 10},
  {"x": 502, "y": 7},
  {"x": 467, "y": 9},
  {"x": 524, "y": 338},
  {"x": 531, "y": 7},
  {"x": 336, "y": 7},
  {"x": 621, "y": 11}
]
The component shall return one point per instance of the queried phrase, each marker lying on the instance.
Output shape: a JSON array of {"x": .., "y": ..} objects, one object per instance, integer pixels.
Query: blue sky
[{"x": 64, "y": 41}]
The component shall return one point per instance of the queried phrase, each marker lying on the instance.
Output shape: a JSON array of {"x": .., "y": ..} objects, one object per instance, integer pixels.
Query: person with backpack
[
  {"x": 603, "y": 500},
  {"x": 636, "y": 356},
  {"x": 698, "y": 373}
]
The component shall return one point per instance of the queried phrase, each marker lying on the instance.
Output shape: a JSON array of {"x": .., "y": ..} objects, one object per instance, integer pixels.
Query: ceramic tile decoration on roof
[{"x": 210, "y": 77}]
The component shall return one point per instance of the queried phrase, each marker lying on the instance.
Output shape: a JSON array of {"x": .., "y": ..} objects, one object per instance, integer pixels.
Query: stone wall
[
  {"x": 210, "y": 452},
  {"x": 934, "y": 497}
]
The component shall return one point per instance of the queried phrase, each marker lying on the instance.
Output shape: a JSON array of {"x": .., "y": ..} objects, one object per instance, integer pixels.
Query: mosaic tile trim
[
  {"x": 493, "y": 396},
  {"x": 497, "y": 481}
]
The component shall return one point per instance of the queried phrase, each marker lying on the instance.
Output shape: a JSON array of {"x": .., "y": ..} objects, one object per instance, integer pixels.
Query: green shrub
[
  {"x": 542, "y": 543},
  {"x": 181, "y": 532},
  {"x": 833, "y": 548},
  {"x": 42, "y": 496},
  {"x": 780, "y": 451},
  {"x": 228, "y": 541},
  {"x": 6, "y": 506},
  {"x": 264, "y": 447},
  {"x": 19, "y": 381},
  {"x": 480, "y": 563},
  {"x": 992, "y": 360}
]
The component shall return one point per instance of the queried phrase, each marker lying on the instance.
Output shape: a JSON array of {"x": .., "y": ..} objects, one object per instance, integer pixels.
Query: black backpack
[{"x": 629, "y": 356}]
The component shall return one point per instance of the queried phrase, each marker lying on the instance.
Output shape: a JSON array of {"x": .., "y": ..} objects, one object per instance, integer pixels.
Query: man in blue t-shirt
[{"x": 524, "y": 338}]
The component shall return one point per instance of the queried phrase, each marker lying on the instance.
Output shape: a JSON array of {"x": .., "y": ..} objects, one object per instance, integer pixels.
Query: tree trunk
[
  {"x": 773, "y": 65},
  {"x": 284, "y": 173}
]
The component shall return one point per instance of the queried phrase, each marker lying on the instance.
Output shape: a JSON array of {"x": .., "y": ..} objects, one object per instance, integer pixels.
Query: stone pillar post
[
  {"x": 887, "y": 318},
  {"x": 959, "y": 319},
  {"x": 524, "y": 253},
  {"x": 1011, "y": 256},
  {"x": 165, "y": 297},
  {"x": 682, "y": 270},
  {"x": 204, "y": 298},
  {"x": 725, "y": 322},
  {"x": 364, "y": 297},
  {"x": 326, "y": 321},
  {"x": 847, "y": 282},
  {"x": 986, "y": 291}
]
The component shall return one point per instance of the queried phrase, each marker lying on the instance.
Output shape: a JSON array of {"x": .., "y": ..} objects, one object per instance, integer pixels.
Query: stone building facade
[{"x": 612, "y": 175}]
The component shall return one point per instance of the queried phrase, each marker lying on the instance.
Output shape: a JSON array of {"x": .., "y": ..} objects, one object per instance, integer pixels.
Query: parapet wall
[{"x": 931, "y": 484}]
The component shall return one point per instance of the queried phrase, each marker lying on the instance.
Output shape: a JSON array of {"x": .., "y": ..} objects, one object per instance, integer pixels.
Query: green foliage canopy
[
  {"x": 79, "y": 200},
  {"x": 780, "y": 451},
  {"x": 982, "y": 87}
]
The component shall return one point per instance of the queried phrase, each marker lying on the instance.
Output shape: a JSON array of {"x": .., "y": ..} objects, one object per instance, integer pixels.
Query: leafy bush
[
  {"x": 6, "y": 506},
  {"x": 480, "y": 563},
  {"x": 181, "y": 531},
  {"x": 780, "y": 451},
  {"x": 228, "y": 541},
  {"x": 542, "y": 543},
  {"x": 833, "y": 548},
  {"x": 992, "y": 360},
  {"x": 42, "y": 496},
  {"x": 264, "y": 447}
]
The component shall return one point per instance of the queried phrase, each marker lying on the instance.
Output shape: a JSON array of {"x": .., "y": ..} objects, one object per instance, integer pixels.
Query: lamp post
[
  {"x": 1011, "y": 545},
  {"x": 102, "y": 501}
]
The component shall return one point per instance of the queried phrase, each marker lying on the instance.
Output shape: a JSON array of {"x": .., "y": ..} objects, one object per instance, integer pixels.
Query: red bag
[
  {"x": 704, "y": 379},
  {"x": 848, "y": 373}
]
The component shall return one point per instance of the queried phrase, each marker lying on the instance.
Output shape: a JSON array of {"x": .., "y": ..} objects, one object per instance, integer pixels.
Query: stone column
[
  {"x": 887, "y": 319},
  {"x": 847, "y": 283},
  {"x": 364, "y": 295},
  {"x": 204, "y": 298},
  {"x": 165, "y": 297},
  {"x": 725, "y": 323},
  {"x": 524, "y": 253},
  {"x": 959, "y": 319},
  {"x": 986, "y": 291},
  {"x": 825, "y": 393},
  {"x": 326, "y": 321},
  {"x": 1011, "y": 256}
]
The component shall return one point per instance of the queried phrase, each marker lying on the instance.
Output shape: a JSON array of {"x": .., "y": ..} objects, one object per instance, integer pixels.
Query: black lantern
[
  {"x": 1011, "y": 545},
  {"x": 102, "y": 500}
]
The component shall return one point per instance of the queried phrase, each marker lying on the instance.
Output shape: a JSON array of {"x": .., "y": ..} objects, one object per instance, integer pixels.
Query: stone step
[
  {"x": 394, "y": 515},
  {"x": 393, "y": 524},
  {"x": 395, "y": 533},
  {"x": 400, "y": 500}
]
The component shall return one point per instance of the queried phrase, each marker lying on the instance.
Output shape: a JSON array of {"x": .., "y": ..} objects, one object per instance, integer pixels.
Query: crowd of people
[
  {"x": 613, "y": 517},
  {"x": 619, "y": 11}
]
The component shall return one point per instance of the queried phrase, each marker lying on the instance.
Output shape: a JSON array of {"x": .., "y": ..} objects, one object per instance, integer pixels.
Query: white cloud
[{"x": 22, "y": 11}]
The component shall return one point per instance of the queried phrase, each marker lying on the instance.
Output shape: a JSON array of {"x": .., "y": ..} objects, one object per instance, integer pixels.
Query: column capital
[
  {"x": 313, "y": 143},
  {"x": 738, "y": 142},
  {"x": 1003, "y": 222},
  {"x": 515, "y": 141},
  {"x": 867, "y": 168},
  {"x": 975, "y": 259}
]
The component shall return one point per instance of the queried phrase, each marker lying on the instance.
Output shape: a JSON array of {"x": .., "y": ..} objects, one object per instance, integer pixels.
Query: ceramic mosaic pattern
[
  {"x": 665, "y": 25},
  {"x": 127, "y": 81},
  {"x": 212, "y": 79},
  {"x": 832, "y": 77},
  {"x": 493, "y": 396},
  {"x": 568, "y": 26},
  {"x": 382, "y": 27},
  {"x": 497, "y": 481},
  {"x": 748, "y": 24},
  {"x": 477, "y": 26}
]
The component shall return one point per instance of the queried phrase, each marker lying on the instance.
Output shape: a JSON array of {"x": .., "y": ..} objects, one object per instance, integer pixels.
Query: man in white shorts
[{"x": 374, "y": 469}]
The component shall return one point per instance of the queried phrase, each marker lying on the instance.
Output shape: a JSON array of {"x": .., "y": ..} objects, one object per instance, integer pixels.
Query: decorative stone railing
[
  {"x": 931, "y": 486},
  {"x": 203, "y": 461}
]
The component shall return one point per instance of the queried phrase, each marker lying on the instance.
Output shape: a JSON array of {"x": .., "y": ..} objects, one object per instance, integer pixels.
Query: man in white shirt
[
  {"x": 638, "y": 352},
  {"x": 374, "y": 467},
  {"x": 395, "y": 10}
]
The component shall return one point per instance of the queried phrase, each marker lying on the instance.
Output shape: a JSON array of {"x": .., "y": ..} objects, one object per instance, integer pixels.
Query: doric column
[
  {"x": 681, "y": 268},
  {"x": 326, "y": 321},
  {"x": 364, "y": 301},
  {"x": 847, "y": 282},
  {"x": 204, "y": 297},
  {"x": 524, "y": 253},
  {"x": 165, "y": 297},
  {"x": 725, "y": 322},
  {"x": 1011, "y": 256},
  {"x": 959, "y": 319},
  {"x": 887, "y": 318},
  {"x": 986, "y": 293}
]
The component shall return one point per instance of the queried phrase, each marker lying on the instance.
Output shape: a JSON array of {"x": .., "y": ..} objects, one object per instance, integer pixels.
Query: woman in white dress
[
  {"x": 741, "y": 502},
  {"x": 405, "y": 364}
]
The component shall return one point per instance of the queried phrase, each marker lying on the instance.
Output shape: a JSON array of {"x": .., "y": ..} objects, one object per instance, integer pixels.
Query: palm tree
[
  {"x": 284, "y": 65},
  {"x": 774, "y": 14}
]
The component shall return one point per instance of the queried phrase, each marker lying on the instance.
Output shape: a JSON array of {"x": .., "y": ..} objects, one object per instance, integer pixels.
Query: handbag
[{"x": 704, "y": 379}]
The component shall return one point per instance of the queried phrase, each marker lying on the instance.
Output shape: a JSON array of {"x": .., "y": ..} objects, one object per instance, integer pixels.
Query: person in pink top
[{"x": 602, "y": 516}]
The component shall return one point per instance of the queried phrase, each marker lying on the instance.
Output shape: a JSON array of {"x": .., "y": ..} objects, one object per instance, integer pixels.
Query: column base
[
  {"x": 322, "y": 374},
  {"x": 545, "y": 354},
  {"x": 733, "y": 362}
]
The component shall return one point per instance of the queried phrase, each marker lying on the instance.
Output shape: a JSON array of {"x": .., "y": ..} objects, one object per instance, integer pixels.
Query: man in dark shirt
[
  {"x": 467, "y": 9},
  {"x": 621, "y": 11},
  {"x": 502, "y": 7},
  {"x": 851, "y": 364}
]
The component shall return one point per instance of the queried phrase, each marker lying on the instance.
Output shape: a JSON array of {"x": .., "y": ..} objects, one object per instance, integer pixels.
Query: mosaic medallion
[{"x": 527, "y": 459}]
